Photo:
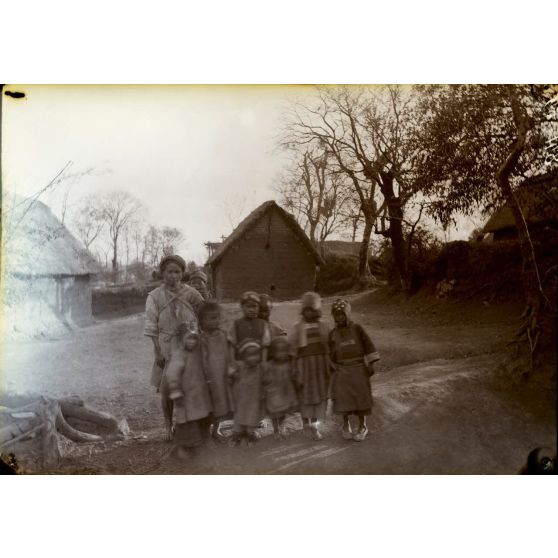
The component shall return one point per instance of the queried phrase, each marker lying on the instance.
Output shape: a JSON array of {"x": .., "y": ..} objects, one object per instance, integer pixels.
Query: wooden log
[
  {"x": 72, "y": 400},
  {"x": 86, "y": 414},
  {"x": 48, "y": 416},
  {"x": 24, "y": 436},
  {"x": 72, "y": 434},
  {"x": 50, "y": 450},
  {"x": 15, "y": 429}
]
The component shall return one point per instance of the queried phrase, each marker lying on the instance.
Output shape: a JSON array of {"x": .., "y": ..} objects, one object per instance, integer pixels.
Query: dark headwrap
[{"x": 172, "y": 259}]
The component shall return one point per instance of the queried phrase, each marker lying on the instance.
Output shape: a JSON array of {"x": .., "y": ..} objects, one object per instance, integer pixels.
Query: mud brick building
[{"x": 268, "y": 252}]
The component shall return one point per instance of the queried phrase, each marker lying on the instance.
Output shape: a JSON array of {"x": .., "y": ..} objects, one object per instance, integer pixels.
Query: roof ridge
[{"x": 252, "y": 218}]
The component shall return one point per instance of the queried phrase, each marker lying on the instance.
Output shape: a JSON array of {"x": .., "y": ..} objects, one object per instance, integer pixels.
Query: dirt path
[{"x": 434, "y": 410}]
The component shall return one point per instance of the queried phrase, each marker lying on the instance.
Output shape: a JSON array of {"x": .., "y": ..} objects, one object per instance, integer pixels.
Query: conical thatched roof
[
  {"x": 252, "y": 219},
  {"x": 36, "y": 243}
]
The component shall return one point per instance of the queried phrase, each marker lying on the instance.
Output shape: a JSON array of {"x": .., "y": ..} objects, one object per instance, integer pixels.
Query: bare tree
[
  {"x": 171, "y": 238},
  {"x": 59, "y": 198},
  {"x": 152, "y": 245},
  {"x": 365, "y": 130},
  {"x": 314, "y": 193},
  {"x": 117, "y": 209},
  {"x": 136, "y": 229},
  {"x": 351, "y": 216},
  {"x": 234, "y": 207},
  {"x": 88, "y": 222}
]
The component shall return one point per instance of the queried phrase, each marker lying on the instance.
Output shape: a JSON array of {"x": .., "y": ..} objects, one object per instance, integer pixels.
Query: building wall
[
  {"x": 537, "y": 231},
  {"x": 268, "y": 258},
  {"x": 46, "y": 306}
]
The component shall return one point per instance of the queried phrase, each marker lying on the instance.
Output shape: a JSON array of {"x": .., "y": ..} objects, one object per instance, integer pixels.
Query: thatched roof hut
[{"x": 45, "y": 270}]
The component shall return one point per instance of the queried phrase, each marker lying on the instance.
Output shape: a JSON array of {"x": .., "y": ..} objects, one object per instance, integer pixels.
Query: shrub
[{"x": 339, "y": 273}]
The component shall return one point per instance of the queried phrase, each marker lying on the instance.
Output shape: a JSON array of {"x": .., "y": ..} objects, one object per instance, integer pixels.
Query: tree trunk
[
  {"x": 50, "y": 449},
  {"x": 312, "y": 231},
  {"x": 534, "y": 296},
  {"x": 363, "y": 271},
  {"x": 395, "y": 230},
  {"x": 355, "y": 227},
  {"x": 115, "y": 254}
]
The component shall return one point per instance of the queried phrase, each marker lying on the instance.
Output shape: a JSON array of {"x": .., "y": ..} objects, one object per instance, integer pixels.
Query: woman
[{"x": 167, "y": 306}]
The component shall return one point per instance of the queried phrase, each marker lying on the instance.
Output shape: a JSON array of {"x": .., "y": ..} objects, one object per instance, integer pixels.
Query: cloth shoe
[
  {"x": 361, "y": 434},
  {"x": 316, "y": 434},
  {"x": 347, "y": 431}
]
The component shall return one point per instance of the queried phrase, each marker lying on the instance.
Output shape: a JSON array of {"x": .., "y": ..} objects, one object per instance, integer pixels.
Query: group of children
[{"x": 257, "y": 370}]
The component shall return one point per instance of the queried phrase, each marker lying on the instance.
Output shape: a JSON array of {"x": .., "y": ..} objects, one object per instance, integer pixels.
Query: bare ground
[{"x": 443, "y": 401}]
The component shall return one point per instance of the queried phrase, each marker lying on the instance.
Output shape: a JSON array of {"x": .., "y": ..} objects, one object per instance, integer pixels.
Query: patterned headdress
[
  {"x": 250, "y": 296},
  {"x": 341, "y": 305},
  {"x": 200, "y": 274}
]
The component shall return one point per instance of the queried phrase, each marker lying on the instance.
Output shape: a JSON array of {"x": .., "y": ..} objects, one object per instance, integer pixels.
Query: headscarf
[
  {"x": 200, "y": 274},
  {"x": 341, "y": 305},
  {"x": 249, "y": 296},
  {"x": 248, "y": 343},
  {"x": 173, "y": 258},
  {"x": 311, "y": 300}
]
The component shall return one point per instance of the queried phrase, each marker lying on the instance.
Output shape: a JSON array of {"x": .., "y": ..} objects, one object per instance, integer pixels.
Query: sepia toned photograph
[{"x": 278, "y": 279}]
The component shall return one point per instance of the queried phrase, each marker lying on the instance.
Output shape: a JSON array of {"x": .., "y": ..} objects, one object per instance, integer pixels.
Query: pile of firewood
[{"x": 45, "y": 424}]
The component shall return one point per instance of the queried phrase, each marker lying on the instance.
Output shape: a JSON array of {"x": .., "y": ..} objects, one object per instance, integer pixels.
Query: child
[
  {"x": 249, "y": 326},
  {"x": 353, "y": 355},
  {"x": 309, "y": 342},
  {"x": 280, "y": 394},
  {"x": 188, "y": 389},
  {"x": 198, "y": 280},
  {"x": 266, "y": 304},
  {"x": 248, "y": 392},
  {"x": 216, "y": 360}
]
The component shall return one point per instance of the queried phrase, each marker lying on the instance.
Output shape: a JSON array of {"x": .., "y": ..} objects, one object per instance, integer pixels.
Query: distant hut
[
  {"x": 46, "y": 271},
  {"x": 540, "y": 209},
  {"x": 341, "y": 248},
  {"x": 268, "y": 253}
]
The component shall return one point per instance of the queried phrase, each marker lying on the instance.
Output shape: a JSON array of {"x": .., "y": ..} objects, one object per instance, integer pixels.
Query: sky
[{"x": 195, "y": 156}]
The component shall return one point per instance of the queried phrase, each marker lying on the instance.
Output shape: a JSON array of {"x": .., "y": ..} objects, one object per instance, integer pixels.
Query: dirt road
[{"x": 436, "y": 406}]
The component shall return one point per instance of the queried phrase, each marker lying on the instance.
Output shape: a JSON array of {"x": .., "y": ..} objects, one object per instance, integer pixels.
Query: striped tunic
[{"x": 312, "y": 371}]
